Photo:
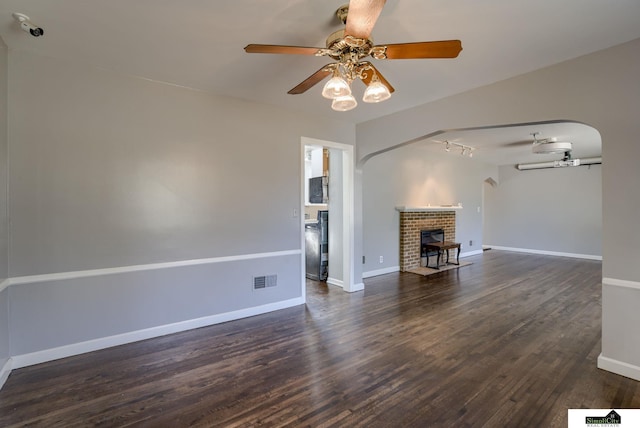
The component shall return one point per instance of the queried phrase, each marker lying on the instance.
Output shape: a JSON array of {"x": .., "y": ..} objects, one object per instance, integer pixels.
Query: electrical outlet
[
  {"x": 381, "y": 259},
  {"x": 470, "y": 243},
  {"x": 363, "y": 262}
]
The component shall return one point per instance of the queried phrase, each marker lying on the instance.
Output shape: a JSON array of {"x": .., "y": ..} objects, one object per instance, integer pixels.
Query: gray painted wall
[
  {"x": 47, "y": 315},
  {"x": 599, "y": 89},
  {"x": 110, "y": 152},
  {"x": 123, "y": 171},
  {"x": 4, "y": 301},
  {"x": 557, "y": 210},
  {"x": 418, "y": 175},
  {"x": 110, "y": 170}
]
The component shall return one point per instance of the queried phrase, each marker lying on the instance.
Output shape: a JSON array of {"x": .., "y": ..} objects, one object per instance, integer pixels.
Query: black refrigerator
[{"x": 316, "y": 236}]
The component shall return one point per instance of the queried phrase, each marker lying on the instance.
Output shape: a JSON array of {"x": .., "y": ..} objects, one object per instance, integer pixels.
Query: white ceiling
[{"x": 199, "y": 44}]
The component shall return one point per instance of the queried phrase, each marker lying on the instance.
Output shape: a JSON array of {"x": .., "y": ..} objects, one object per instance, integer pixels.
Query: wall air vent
[{"x": 260, "y": 282}]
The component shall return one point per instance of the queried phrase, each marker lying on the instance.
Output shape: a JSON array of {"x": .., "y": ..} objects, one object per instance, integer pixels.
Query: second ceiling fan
[{"x": 349, "y": 48}]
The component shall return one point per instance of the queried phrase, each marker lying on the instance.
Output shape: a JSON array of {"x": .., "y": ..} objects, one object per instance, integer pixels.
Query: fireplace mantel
[{"x": 430, "y": 208}]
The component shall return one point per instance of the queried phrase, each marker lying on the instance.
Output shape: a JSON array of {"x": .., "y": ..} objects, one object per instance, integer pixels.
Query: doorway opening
[{"x": 327, "y": 192}]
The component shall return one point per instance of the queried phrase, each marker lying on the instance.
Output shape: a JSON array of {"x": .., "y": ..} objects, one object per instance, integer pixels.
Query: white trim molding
[
  {"x": 621, "y": 283},
  {"x": 382, "y": 271},
  {"x": 5, "y": 371},
  {"x": 609, "y": 364},
  {"x": 356, "y": 287},
  {"x": 544, "y": 252},
  {"x": 51, "y": 354},
  {"x": 618, "y": 367},
  {"x": 471, "y": 253},
  {"x": 336, "y": 282},
  {"x": 429, "y": 208},
  {"x": 4, "y": 284},
  {"x": 137, "y": 268}
]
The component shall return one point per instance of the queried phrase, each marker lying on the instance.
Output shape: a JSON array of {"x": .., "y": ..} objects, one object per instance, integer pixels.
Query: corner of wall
[{"x": 5, "y": 352}]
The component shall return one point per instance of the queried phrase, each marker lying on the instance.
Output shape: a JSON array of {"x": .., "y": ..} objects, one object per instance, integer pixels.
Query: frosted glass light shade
[
  {"x": 345, "y": 103},
  {"x": 376, "y": 92},
  {"x": 336, "y": 87}
]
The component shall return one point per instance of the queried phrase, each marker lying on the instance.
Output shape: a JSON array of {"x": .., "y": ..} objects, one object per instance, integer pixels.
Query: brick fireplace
[{"x": 412, "y": 221}]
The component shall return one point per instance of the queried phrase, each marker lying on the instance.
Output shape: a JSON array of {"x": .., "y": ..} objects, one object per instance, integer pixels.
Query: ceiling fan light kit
[
  {"x": 345, "y": 103},
  {"x": 336, "y": 87},
  {"x": 548, "y": 147},
  {"x": 376, "y": 92},
  {"x": 349, "y": 47}
]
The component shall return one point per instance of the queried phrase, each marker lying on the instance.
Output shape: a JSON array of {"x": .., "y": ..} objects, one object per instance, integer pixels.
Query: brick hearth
[{"x": 411, "y": 223}]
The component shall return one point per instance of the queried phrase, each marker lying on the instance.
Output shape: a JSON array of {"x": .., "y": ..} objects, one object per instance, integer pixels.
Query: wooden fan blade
[
  {"x": 310, "y": 81},
  {"x": 440, "y": 49},
  {"x": 280, "y": 49},
  {"x": 367, "y": 76},
  {"x": 362, "y": 16}
]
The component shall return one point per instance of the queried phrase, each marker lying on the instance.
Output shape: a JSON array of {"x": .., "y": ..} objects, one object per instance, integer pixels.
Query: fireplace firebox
[{"x": 429, "y": 236}]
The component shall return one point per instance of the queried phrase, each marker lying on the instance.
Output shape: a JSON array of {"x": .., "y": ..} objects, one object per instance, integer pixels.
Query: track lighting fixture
[{"x": 464, "y": 150}]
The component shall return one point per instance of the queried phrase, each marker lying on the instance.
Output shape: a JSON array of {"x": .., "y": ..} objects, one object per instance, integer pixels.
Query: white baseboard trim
[
  {"x": 356, "y": 287},
  {"x": 383, "y": 271},
  {"x": 5, "y": 371},
  {"x": 621, "y": 283},
  {"x": 45, "y": 355},
  {"x": 336, "y": 282},
  {"x": 150, "y": 266},
  {"x": 543, "y": 252},
  {"x": 471, "y": 253},
  {"x": 618, "y": 367}
]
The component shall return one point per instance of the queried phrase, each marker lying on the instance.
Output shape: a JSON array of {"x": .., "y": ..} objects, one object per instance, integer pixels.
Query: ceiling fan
[
  {"x": 349, "y": 48},
  {"x": 550, "y": 146}
]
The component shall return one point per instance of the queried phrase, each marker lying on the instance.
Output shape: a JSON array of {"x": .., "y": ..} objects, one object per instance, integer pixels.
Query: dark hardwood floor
[{"x": 510, "y": 340}]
